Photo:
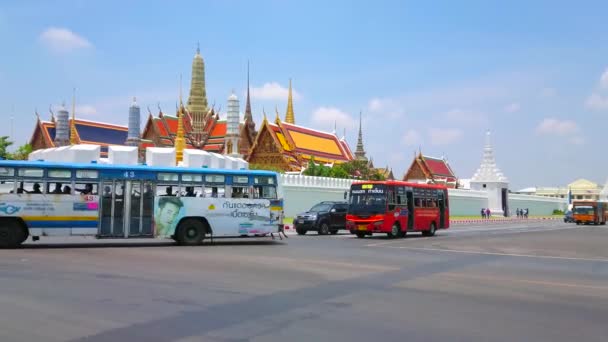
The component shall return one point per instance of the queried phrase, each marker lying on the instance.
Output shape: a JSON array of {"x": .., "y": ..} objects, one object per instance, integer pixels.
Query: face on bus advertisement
[{"x": 245, "y": 216}]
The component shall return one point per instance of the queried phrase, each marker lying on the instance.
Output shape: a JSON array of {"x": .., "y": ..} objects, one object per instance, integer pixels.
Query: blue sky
[{"x": 429, "y": 75}]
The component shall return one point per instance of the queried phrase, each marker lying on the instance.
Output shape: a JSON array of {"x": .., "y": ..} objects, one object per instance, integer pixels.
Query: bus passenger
[
  {"x": 190, "y": 191},
  {"x": 169, "y": 191},
  {"x": 67, "y": 190},
  {"x": 214, "y": 191},
  {"x": 57, "y": 188},
  {"x": 88, "y": 189},
  {"x": 36, "y": 189}
]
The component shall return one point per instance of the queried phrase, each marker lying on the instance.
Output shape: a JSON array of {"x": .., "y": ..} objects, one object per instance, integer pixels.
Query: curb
[{"x": 506, "y": 220}]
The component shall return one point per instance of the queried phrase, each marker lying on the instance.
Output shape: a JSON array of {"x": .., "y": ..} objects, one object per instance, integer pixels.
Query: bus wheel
[
  {"x": 11, "y": 234},
  {"x": 395, "y": 232},
  {"x": 324, "y": 229},
  {"x": 360, "y": 235},
  {"x": 431, "y": 231},
  {"x": 190, "y": 232}
]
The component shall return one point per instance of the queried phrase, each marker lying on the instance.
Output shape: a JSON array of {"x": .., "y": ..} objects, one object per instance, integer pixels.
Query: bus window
[
  {"x": 7, "y": 187},
  {"x": 30, "y": 187},
  {"x": 192, "y": 190},
  {"x": 417, "y": 202},
  {"x": 240, "y": 187},
  {"x": 266, "y": 192},
  {"x": 215, "y": 190},
  {"x": 31, "y": 172},
  {"x": 55, "y": 188},
  {"x": 86, "y": 188},
  {"x": 65, "y": 174}
]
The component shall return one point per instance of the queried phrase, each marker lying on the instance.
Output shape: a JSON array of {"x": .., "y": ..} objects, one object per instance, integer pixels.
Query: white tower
[
  {"x": 62, "y": 127},
  {"x": 489, "y": 178},
  {"x": 134, "y": 125},
  {"x": 232, "y": 127}
]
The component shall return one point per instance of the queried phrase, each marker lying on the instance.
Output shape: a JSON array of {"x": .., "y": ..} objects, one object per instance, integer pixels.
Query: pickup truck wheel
[{"x": 324, "y": 229}]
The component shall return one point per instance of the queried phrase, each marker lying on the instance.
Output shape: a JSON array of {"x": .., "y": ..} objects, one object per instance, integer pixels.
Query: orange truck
[{"x": 589, "y": 212}]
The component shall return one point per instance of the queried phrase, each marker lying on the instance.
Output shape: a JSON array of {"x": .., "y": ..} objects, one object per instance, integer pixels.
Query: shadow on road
[{"x": 217, "y": 242}]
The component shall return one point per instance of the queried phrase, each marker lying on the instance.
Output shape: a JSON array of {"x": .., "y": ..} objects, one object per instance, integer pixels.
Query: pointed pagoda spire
[
  {"x": 248, "y": 115},
  {"x": 197, "y": 101},
  {"x": 180, "y": 142},
  {"x": 360, "y": 151},
  {"x": 73, "y": 139},
  {"x": 277, "y": 119},
  {"x": 488, "y": 171},
  {"x": 290, "y": 116}
]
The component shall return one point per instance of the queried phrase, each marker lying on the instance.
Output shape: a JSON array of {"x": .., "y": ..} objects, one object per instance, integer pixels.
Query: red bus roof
[{"x": 397, "y": 182}]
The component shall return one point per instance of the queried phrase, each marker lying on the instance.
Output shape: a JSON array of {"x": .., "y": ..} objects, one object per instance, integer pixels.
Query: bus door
[
  {"x": 441, "y": 205},
  {"x": 410, "y": 209},
  {"x": 140, "y": 204},
  {"x": 112, "y": 208}
]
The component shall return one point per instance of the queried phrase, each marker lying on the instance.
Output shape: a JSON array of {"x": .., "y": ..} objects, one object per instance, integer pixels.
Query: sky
[{"x": 425, "y": 75}]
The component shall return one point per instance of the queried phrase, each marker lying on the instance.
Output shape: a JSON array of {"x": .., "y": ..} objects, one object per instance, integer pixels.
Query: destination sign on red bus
[{"x": 367, "y": 189}]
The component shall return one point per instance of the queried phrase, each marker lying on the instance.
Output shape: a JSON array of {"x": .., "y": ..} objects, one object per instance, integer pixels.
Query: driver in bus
[
  {"x": 166, "y": 214},
  {"x": 88, "y": 189}
]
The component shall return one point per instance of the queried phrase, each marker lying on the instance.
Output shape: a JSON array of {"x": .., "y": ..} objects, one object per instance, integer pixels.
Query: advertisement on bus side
[{"x": 226, "y": 216}]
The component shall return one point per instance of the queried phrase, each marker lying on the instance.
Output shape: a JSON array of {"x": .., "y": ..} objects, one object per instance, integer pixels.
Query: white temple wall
[{"x": 302, "y": 192}]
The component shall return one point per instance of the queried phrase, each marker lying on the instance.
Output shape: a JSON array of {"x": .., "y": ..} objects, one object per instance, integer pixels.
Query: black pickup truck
[{"x": 324, "y": 217}]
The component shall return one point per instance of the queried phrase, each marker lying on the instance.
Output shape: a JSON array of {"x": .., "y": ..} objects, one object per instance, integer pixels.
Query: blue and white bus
[{"x": 39, "y": 199}]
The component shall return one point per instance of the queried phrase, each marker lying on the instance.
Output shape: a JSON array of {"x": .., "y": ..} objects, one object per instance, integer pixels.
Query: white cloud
[
  {"x": 411, "y": 138},
  {"x": 604, "y": 79},
  {"x": 273, "y": 91},
  {"x": 444, "y": 136},
  {"x": 387, "y": 107},
  {"x": 512, "y": 108},
  {"x": 327, "y": 116},
  {"x": 63, "y": 40},
  {"x": 557, "y": 127},
  {"x": 597, "y": 102}
]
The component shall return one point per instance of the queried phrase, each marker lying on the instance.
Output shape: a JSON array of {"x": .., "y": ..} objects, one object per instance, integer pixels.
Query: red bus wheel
[{"x": 431, "y": 231}]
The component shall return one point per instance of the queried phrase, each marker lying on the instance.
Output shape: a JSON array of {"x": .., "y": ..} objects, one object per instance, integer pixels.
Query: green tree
[
  {"x": 4, "y": 144},
  {"x": 311, "y": 170},
  {"x": 22, "y": 152},
  {"x": 255, "y": 166}
]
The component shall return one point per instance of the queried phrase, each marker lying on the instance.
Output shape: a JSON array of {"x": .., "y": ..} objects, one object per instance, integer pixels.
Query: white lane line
[
  {"x": 528, "y": 281},
  {"x": 512, "y": 230},
  {"x": 464, "y": 251}
]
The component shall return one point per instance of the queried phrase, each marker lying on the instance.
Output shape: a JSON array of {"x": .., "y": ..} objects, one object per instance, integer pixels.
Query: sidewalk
[{"x": 503, "y": 220}]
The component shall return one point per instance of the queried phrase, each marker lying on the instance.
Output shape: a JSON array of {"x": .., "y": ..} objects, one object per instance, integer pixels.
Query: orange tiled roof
[
  {"x": 219, "y": 130},
  {"x": 315, "y": 143}
]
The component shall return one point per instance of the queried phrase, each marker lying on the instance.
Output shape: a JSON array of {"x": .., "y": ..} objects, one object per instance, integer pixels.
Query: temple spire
[
  {"x": 197, "y": 101},
  {"x": 360, "y": 151},
  {"x": 289, "y": 116},
  {"x": 180, "y": 143},
  {"x": 248, "y": 115},
  {"x": 73, "y": 139},
  {"x": 488, "y": 171}
]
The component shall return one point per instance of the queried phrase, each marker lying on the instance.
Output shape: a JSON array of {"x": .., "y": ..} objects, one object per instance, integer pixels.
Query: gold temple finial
[
  {"x": 180, "y": 143},
  {"x": 277, "y": 119},
  {"x": 73, "y": 139},
  {"x": 289, "y": 116}
]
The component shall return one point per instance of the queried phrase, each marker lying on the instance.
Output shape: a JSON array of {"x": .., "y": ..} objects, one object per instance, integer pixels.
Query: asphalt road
[{"x": 540, "y": 281}]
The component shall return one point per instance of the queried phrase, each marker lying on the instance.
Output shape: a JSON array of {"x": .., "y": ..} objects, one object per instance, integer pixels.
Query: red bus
[{"x": 396, "y": 208}]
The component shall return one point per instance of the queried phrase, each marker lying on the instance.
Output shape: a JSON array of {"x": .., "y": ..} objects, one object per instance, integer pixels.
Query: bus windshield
[
  {"x": 585, "y": 210},
  {"x": 367, "y": 199}
]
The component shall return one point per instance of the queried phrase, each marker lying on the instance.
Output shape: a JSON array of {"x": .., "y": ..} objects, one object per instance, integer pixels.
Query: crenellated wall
[{"x": 302, "y": 192}]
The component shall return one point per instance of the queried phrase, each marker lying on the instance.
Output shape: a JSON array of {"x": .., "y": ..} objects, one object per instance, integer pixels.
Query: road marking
[
  {"x": 528, "y": 281},
  {"x": 512, "y": 230},
  {"x": 464, "y": 251}
]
